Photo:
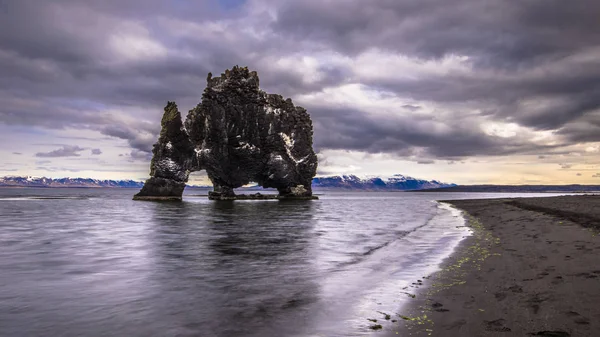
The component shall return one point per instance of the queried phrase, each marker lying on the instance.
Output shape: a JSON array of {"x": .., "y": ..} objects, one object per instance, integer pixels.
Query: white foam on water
[{"x": 376, "y": 284}]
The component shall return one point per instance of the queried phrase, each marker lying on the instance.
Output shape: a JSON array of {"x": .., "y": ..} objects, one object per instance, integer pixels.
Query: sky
[{"x": 463, "y": 91}]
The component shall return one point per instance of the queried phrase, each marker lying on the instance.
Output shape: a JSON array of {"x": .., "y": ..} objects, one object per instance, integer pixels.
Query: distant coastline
[{"x": 519, "y": 188}]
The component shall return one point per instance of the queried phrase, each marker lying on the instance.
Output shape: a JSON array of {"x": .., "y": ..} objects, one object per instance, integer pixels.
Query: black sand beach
[{"x": 532, "y": 268}]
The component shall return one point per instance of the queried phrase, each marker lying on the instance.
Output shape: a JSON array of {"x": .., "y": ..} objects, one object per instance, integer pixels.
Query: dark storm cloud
[
  {"x": 65, "y": 49},
  {"x": 65, "y": 151},
  {"x": 140, "y": 137},
  {"x": 59, "y": 53},
  {"x": 505, "y": 42},
  {"x": 555, "y": 99},
  {"x": 110, "y": 66},
  {"x": 139, "y": 155},
  {"x": 345, "y": 129},
  {"x": 505, "y": 33},
  {"x": 587, "y": 129}
]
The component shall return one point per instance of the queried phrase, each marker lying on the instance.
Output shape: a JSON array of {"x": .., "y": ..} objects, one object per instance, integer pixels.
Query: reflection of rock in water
[
  {"x": 257, "y": 229},
  {"x": 238, "y": 134},
  {"x": 243, "y": 262}
]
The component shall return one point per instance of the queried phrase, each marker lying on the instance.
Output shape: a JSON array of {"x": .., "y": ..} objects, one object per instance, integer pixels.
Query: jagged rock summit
[{"x": 238, "y": 134}]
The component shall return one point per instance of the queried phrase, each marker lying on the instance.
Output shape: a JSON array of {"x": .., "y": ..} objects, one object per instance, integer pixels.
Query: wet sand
[{"x": 531, "y": 268}]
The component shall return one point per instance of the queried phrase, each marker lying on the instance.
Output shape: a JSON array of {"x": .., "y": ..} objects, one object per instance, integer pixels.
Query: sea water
[{"x": 92, "y": 262}]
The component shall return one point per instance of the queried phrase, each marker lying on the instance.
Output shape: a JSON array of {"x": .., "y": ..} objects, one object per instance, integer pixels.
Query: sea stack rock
[
  {"x": 170, "y": 161},
  {"x": 239, "y": 134}
]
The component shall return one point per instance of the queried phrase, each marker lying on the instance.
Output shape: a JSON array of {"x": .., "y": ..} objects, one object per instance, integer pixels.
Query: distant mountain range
[
  {"x": 396, "y": 182},
  {"x": 66, "y": 182}
]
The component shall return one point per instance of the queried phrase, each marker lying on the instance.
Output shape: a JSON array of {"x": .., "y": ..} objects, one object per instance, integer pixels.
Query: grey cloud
[
  {"x": 66, "y": 47},
  {"x": 325, "y": 171},
  {"x": 587, "y": 129},
  {"x": 65, "y": 151},
  {"x": 520, "y": 50},
  {"x": 532, "y": 63},
  {"x": 96, "y": 152},
  {"x": 507, "y": 98},
  {"x": 596, "y": 175},
  {"x": 137, "y": 155},
  {"x": 139, "y": 139},
  {"x": 411, "y": 107},
  {"x": 565, "y": 166},
  {"x": 416, "y": 136},
  {"x": 503, "y": 32},
  {"x": 17, "y": 153},
  {"x": 57, "y": 169},
  {"x": 579, "y": 174},
  {"x": 140, "y": 155}
]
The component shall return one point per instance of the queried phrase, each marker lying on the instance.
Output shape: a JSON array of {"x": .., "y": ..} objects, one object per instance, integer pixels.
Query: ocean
[{"x": 93, "y": 262}]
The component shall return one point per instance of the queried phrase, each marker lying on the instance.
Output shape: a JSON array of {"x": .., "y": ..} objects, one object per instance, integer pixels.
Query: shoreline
[{"x": 522, "y": 272}]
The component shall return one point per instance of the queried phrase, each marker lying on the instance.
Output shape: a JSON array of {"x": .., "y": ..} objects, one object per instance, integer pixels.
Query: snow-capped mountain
[
  {"x": 396, "y": 182},
  {"x": 66, "y": 182}
]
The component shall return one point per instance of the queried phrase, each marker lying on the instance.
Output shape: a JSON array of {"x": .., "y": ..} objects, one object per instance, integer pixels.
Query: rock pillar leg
[
  {"x": 172, "y": 157},
  {"x": 157, "y": 188},
  {"x": 296, "y": 192},
  {"x": 221, "y": 193}
]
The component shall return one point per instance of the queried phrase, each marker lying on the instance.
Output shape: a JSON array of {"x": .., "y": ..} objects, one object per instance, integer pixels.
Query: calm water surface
[{"x": 92, "y": 262}]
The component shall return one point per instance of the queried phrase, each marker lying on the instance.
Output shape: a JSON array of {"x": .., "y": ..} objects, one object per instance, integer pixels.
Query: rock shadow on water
[{"x": 236, "y": 268}]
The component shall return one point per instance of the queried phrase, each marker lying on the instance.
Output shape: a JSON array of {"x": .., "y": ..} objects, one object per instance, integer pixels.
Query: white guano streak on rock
[
  {"x": 247, "y": 146},
  {"x": 289, "y": 144},
  {"x": 271, "y": 110},
  {"x": 200, "y": 152}
]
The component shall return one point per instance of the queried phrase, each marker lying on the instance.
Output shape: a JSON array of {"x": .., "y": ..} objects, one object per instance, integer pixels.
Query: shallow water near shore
[{"x": 92, "y": 262}]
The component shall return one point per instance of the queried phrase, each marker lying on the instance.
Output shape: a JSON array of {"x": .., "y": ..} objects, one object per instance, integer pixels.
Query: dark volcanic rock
[
  {"x": 238, "y": 134},
  {"x": 172, "y": 157}
]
